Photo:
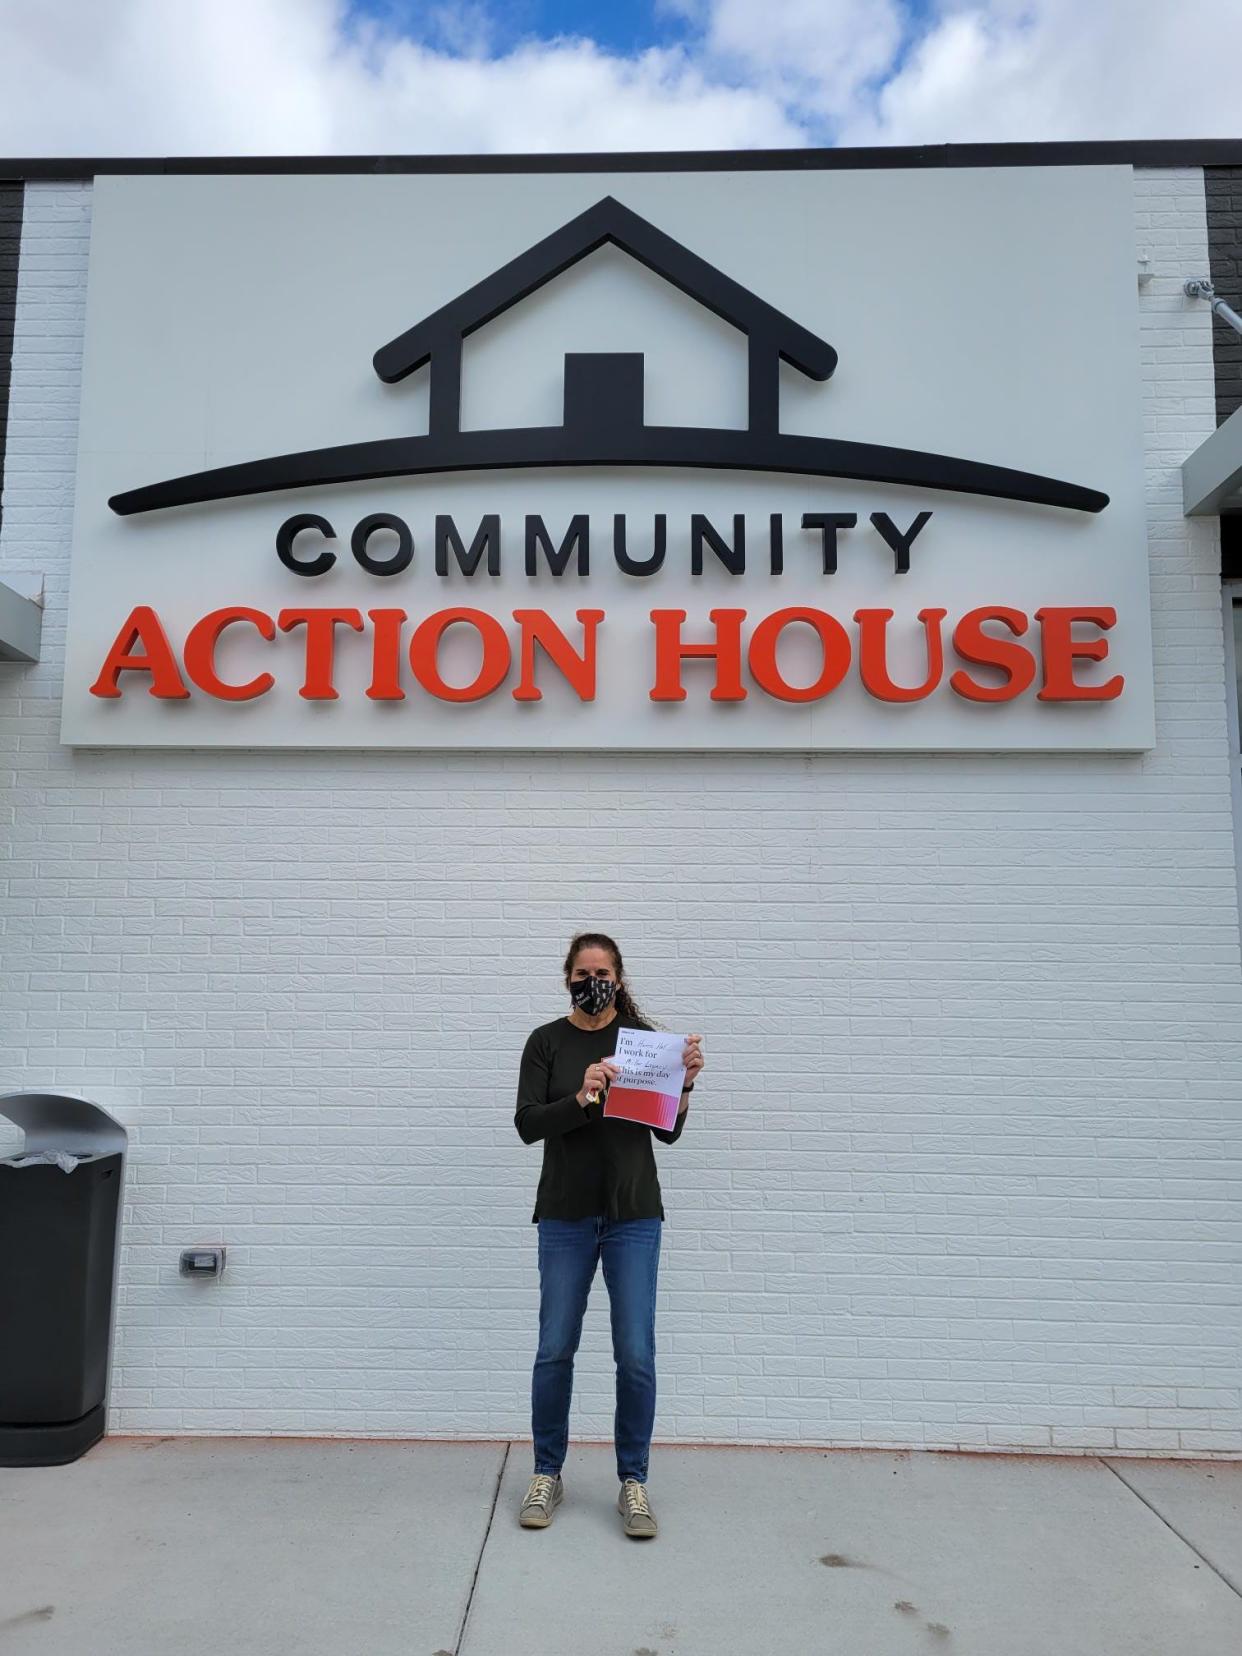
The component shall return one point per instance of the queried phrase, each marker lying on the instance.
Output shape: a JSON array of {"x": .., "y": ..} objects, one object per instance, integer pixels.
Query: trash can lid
[{"x": 63, "y": 1121}]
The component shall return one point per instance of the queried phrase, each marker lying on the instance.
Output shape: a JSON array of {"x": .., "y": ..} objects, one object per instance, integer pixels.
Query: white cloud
[
  {"x": 816, "y": 56},
  {"x": 137, "y": 77},
  {"x": 1063, "y": 69},
  {"x": 98, "y": 77}
]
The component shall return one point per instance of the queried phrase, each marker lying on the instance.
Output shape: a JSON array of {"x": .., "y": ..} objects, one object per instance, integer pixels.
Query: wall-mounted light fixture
[
  {"x": 1201, "y": 288},
  {"x": 202, "y": 1262}
]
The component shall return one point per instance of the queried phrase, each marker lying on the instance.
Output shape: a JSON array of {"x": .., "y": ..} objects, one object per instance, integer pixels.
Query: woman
[{"x": 598, "y": 1198}]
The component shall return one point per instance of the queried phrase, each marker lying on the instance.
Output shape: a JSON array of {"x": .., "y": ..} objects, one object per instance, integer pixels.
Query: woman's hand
[
  {"x": 692, "y": 1057},
  {"x": 597, "y": 1077}
]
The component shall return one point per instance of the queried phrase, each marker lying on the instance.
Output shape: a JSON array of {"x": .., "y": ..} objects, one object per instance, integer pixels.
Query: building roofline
[
  {"x": 1173, "y": 152},
  {"x": 607, "y": 221}
]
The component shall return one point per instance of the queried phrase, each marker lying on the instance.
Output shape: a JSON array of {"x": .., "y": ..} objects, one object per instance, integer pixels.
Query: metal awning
[
  {"x": 1212, "y": 475},
  {"x": 21, "y": 623}
]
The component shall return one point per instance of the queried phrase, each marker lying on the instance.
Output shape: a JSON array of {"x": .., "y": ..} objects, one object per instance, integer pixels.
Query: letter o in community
[
  {"x": 762, "y": 654},
  {"x": 425, "y": 647},
  {"x": 366, "y": 527}
]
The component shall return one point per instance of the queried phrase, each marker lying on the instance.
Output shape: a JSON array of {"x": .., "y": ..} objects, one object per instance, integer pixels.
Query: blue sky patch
[{"x": 624, "y": 27}]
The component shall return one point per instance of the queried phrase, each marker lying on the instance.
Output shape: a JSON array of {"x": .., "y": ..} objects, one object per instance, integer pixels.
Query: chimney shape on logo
[{"x": 437, "y": 339}]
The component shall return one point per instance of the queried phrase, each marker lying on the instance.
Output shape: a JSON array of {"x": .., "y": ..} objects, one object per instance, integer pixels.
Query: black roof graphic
[
  {"x": 608, "y": 221},
  {"x": 603, "y": 421}
]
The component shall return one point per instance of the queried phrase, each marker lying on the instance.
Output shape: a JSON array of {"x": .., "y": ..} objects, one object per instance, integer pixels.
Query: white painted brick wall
[{"x": 991, "y": 1005}]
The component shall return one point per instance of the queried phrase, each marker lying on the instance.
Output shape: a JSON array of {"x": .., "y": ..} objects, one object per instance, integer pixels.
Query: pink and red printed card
[{"x": 648, "y": 1088}]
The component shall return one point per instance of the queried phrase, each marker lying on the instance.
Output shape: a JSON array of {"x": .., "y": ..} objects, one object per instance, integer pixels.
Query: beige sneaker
[
  {"x": 633, "y": 1506},
  {"x": 542, "y": 1499}
]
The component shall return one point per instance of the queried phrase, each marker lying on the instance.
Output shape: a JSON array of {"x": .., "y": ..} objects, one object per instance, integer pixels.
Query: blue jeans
[{"x": 569, "y": 1250}]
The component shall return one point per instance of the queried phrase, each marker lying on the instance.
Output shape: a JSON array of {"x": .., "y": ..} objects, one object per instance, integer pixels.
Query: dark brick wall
[
  {"x": 10, "y": 238},
  {"x": 1231, "y": 546},
  {"x": 1223, "y": 189}
]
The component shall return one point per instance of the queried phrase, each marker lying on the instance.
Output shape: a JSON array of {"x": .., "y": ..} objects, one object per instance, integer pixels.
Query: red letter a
[{"x": 143, "y": 627}]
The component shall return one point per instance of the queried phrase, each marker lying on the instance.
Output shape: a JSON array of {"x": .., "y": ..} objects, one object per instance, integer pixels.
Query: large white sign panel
[{"x": 807, "y": 460}]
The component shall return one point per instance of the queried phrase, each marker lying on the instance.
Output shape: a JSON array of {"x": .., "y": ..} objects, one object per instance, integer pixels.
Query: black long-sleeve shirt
[{"x": 592, "y": 1163}]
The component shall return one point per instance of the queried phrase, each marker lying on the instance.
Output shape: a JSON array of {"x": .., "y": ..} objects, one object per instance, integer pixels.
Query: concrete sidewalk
[{"x": 257, "y": 1546}]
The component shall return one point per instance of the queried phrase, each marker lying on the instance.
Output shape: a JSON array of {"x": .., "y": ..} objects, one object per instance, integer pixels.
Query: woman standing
[{"x": 598, "y": 1198}]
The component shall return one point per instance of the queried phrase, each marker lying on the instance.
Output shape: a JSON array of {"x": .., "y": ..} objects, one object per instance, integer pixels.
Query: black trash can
[{"x": 58, "y": 1245}]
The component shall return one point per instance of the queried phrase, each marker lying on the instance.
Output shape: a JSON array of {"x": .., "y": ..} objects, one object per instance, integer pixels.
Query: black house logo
[{"x": 604, "y": 422}]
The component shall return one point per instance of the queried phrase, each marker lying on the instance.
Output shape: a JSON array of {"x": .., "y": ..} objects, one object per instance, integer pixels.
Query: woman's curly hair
[{"x": 623, "y": 1000}]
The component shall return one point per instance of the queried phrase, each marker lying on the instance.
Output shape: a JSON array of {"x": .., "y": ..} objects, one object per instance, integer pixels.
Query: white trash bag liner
[{"x": 62, "y": 1158}]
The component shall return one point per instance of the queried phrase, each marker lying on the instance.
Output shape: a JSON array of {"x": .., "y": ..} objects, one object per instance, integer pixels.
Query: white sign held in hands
[{"x": 648, "y": 1089}]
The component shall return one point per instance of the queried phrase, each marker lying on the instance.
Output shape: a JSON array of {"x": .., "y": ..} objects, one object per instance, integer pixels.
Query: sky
[{"x": 270, "y": 77}]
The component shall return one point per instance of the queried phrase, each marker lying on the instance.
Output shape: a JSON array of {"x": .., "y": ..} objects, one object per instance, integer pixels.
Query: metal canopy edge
[
  {"x": 21, "y": 626},
  {"x": 1212, "y": 475}
]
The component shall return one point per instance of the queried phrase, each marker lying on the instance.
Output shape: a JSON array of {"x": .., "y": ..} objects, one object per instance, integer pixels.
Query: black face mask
[{"x": 592, "y": 995}]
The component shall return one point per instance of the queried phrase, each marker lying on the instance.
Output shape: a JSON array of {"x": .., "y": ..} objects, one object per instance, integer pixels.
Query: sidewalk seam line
[
  {"x": 1139, "y": 1496},
  {"x": 478, "y": 1563}
]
